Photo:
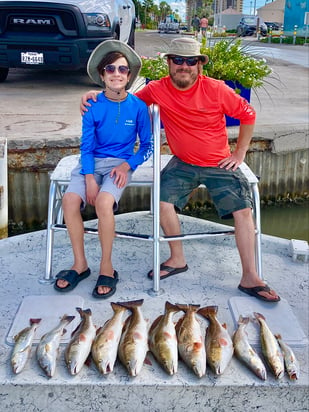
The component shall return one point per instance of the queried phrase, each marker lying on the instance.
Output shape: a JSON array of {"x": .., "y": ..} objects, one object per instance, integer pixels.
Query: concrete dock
[{"x": 212, "y": 278}]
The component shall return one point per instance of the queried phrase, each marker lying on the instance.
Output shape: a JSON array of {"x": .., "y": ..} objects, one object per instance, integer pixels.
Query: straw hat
[
  {"x": 186, "y": 47},
  {"x": 106, "y": 47}
]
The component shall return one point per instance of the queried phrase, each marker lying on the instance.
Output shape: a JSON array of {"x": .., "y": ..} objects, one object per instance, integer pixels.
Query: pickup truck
[
  {"x": 169, "y": 24},
  {"x": 60, "y": 34}
]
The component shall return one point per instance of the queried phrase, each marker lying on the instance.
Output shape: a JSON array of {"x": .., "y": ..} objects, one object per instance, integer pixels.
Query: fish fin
[
  {"x": 147, "y": 361},
  {"x": 155, "y": 323},
  {"x": 88, "y": 360},
  {"x": 278, "y": 336},
  {"x": 224, "y": 325},
  {"x": 64, "y": 331}
]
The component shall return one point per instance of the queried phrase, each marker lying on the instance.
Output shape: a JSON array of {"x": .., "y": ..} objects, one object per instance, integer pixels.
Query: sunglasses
[
  {"x": 190, "y": 61},
  {"x": 111, "y": 68}
]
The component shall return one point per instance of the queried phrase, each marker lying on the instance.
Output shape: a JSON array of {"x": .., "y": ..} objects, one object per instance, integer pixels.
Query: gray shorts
[
  {"x": 230, "y": 191},
  {"x": 102, "y": 170}
]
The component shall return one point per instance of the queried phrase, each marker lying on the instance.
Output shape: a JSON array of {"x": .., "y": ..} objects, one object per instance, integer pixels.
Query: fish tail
[
  {"x": 185, "y": 307},
  {"x": 34, "y": 321},
  {"x": 208, "y": 311},
  {"x": 132, "y": 303},
  {"x": 115, "y": 306},
  {"x": 243, "y": 320},
  {"x": 259, "y": 315},
  {"x": 170, "y": 306},
  {"x": 82, "y": 312},
  {"x": 68, "y": 318}
]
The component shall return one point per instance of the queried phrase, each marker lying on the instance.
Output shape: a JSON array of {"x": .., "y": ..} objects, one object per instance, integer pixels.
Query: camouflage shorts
[{"x": 230, "y": 191}]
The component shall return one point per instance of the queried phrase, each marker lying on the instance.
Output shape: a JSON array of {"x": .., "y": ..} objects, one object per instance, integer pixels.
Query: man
[
  {"x": 196, "y": 25},
  {"x": 192, "y": 108},
  {"x": 204, "y": 25}
]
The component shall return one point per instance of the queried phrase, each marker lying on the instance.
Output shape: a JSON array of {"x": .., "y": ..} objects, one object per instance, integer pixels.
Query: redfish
[
  {"x": 78, "y": 349},
  {"x": 270, "y": 348},
  {"x": 48, "y": 347},
  {"x": 290, "y": 361},
  {"x": 104, "y": 347},
  {"x": 191, "y": 345},
  {"x": 22, "y": 348},
  {"x": 133, "y": 345},
  {"x": 219, "y": 345},
  {"x": 245, "y": 352},
  {"x": 163, "y": 340}
]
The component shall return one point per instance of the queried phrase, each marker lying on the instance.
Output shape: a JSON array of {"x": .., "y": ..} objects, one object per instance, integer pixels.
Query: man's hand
[
  {"x": 92, "y": 94},
  {"x": 121, "y": 174},
  {"x": 92, "y": 189},
  {"x": 233, "y": 161}
]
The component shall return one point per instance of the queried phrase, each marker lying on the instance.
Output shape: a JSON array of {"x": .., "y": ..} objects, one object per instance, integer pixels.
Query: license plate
[{"x": 32, "y": 58}]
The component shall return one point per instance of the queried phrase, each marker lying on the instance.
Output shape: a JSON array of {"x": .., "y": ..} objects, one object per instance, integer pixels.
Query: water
[{"x": 286, "y": 221}]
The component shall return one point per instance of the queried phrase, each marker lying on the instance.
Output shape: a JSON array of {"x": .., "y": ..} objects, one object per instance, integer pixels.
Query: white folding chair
[{"x": 147, "y": 174}]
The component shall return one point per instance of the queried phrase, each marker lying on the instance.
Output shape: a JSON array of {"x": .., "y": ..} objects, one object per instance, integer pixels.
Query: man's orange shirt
[{"x": 194, "y": 119}]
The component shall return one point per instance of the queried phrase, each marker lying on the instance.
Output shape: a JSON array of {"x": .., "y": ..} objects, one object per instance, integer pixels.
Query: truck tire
[
  {"x": 4, "y": 71},
  {"x": 131, "y": 40}
]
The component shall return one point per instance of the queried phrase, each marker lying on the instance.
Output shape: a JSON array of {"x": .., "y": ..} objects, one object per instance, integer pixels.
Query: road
[{"x": 38, "y": 105}]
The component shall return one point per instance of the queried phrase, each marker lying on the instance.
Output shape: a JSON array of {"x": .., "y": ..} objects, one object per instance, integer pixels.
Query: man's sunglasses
[
  {"x": 111, "y": 68},
  {"x": 190, "y": 61}
]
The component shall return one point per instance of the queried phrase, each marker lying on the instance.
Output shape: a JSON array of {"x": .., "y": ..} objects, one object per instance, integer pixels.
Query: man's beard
[{"x": 183, "y": 84}]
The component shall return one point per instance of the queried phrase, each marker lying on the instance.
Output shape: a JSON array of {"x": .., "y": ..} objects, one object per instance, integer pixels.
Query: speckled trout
[
  {"x": 163, "y": 340},
  {"x": 22, "y": 347},
  {"x": 79, "y": 347},
  {"x": 133, "y": 345},
  {"x": 290, "y": 361},
  {"x": 105, "y": 346},
  {"x": 219, "y": 345},
  {"x": 270, "y": 348},
  {"x": 191, "y": 343},
  {"x": 245, "y": 352},
  {"x": 48, "y": 347}
]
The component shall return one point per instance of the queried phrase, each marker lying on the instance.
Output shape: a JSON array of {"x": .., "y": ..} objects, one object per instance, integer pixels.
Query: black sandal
[{"x": 108, "y": 282}]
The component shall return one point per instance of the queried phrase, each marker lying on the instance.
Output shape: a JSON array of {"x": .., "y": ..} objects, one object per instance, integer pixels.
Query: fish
[
  {"x": 270, "y": 348},
  {"x": 219, "y": 345},
  {"x": 245, "y": 352},
  {"x": 162, "y": 339},
  {"x": 48, "y": 347},
  {"x": 290, "y": 361},
  {"x": 22, "y": 347},
  {"x": 191, "y": 343},
  {"x": 104, "y": 347},
  {"x": 79, "y": 347},
  {"x": 133, "y": 345}
]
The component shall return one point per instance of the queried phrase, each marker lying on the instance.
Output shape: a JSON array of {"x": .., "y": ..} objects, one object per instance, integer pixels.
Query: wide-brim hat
[
  {"x": 186, "y": 47},
  {"x": 109, "y": 46}
]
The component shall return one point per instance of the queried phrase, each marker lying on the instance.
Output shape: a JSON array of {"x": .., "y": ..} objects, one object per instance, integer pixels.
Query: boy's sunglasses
[
  {"x": 190, "y": 61},
  {"x": 110, "y": 68}
]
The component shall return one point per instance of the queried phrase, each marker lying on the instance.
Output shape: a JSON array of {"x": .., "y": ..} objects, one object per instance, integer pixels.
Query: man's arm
[
  {"x": 92, "y": 94},
  {"x": 242, "y": 146}
]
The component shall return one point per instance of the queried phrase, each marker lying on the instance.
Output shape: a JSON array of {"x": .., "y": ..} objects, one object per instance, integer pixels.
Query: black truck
[{"x": 60, "y": 34}]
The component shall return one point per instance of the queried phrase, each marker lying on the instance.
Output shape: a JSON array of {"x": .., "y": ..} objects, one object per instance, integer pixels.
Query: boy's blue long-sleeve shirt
[{"x": 110, "y": 129}]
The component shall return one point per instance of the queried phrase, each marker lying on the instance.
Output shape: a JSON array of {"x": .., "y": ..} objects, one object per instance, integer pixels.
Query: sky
[{"x": 180, "y": 5}]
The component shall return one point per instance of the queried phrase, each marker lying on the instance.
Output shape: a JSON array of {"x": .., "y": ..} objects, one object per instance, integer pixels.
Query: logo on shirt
[{"x": 129, "y": 123}]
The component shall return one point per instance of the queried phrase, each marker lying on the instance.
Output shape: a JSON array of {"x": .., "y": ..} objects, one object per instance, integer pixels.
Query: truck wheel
[
  {"x": 4, "y": 71},
  {"x": 131, "y": 40}
]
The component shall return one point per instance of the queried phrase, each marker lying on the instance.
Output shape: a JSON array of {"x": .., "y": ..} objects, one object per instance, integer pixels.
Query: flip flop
[
  {"x": 171, "y": 271},
  {"x": 105, "y": 281},
  {"x": 255, "y": 292},
  {"x": 72, "y": 277}
]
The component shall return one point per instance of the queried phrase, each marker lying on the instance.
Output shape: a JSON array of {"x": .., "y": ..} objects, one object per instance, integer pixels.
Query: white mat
[
  {"x": 279, "y": 317},
  {"x": 48, "y": 308}
]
